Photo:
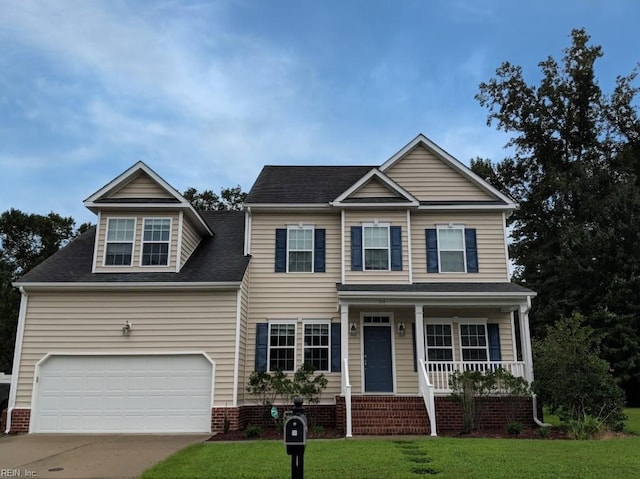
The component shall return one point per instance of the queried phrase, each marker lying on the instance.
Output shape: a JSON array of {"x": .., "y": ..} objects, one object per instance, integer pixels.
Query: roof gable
[
  {"x": 434, "y": 176},
  {"x": 141, "y": 187},
  {"x": 375, "y": 188}
]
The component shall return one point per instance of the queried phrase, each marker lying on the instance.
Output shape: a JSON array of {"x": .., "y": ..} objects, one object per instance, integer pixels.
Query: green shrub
[
  {"x": 544, "y": 432},
  {"x": 253, "y": 431},
  {"x": 572, "y": 380},
  {"x": 586, "y": 427},
  {"x": 515, "y": 428}
]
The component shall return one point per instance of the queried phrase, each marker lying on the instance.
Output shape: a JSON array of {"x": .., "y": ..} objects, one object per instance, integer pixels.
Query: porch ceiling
[{"x": 441, "y": 294}]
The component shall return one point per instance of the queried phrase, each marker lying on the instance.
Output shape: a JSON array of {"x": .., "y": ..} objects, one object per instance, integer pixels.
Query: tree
[
  {"x": 229, "y": 199},
  {"x": 571, "y": 379},
  {"x": 25, "y": 241},
  {"x": 575, "y": 171}
]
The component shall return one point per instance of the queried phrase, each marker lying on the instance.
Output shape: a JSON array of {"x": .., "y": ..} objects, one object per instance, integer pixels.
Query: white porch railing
[
  {"x": 346, "y": 390},
  {"x": 440, "y": 372},
  {"x": 426, "y": 389}
]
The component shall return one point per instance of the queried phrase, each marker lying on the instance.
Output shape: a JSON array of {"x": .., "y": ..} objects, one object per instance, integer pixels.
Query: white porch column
[
  {"x": 420, "y": 331},
  {"x": 344, "y": 338},
  {"x": 525, "y": 339}
]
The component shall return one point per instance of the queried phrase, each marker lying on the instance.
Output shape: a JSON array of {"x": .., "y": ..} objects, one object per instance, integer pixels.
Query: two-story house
[{"x": 387, "y": 279}]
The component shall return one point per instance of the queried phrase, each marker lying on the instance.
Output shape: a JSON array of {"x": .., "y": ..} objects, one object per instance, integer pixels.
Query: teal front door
[{"x": 378, "y": 363}]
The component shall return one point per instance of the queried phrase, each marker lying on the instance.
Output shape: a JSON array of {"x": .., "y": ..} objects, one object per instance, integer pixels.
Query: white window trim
[
  {"x": 318, "y": 321},
  {"x": 295, "y": 342},
  {"x": 106, "y": 241},
  {"x": 473, "y": 321},
  {"x": 376, "y": 224},
  {"x": 452, "y": 226},
  {"x": 313, "y": 246},
  {"x": 437, "y": 322},
  {"x": 143, "y": 242}
]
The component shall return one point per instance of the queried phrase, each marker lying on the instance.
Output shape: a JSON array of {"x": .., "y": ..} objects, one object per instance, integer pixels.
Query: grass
[
  {"x": 411, "y": 458},
  {"x": 633, "y": 422}
]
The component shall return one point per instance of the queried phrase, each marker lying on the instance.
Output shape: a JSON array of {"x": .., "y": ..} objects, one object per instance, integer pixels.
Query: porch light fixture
[
  {"x": 353, "y": 329},
  {"x": 401, "y": 329},
  {"x": 126, "y": 329}
]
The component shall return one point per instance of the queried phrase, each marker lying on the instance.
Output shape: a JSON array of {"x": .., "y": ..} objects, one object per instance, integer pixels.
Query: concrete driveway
[{"x": 71, "y": 456}]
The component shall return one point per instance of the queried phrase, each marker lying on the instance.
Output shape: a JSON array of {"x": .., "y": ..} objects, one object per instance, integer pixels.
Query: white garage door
[{"x": 158, "y": 393}]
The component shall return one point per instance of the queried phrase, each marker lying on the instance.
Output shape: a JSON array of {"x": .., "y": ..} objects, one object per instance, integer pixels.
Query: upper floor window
[
  {"x": 155, "y": 242},
  {"x": 316, "y": 345},
  {"x": 300, "y": 250},
  {"x": 451, "y": 249},
  {"x": 376, "y": 248},
  {"x": 119, "y": 245}
]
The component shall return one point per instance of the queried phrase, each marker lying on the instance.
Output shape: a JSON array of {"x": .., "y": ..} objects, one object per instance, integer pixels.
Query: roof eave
[{"x": 129, "y": 286}]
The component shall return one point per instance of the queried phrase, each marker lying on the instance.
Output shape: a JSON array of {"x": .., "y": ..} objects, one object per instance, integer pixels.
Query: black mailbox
[{"x": 295, "y": 431}]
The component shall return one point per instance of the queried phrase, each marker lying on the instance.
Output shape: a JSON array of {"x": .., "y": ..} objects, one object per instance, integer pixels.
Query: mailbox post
[{"x": 295, "y": 438}]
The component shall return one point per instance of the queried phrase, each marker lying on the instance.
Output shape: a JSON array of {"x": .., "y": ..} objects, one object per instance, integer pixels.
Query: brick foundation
[
  {"x": 20, "y": 421},
  {"x": 386, "y": 415},
  {"x": 240, "y": 417}
]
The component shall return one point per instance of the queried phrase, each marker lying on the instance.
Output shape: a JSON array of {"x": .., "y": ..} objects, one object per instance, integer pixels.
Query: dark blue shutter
[
  {"x": 356, "y": 248},
  {"x": 319, "y": 251},
  {"x": 396, "y": 248},
  {"x": 493, "y": 332},
  {"x": 262, "y": 340},
  {"x": 335, "y": 348},
  {"x": 472, "y": 250},
  {"x": 281, "y": 250},
  {"x": 415, "y": 353},
  {"x": 432, "y": 250}
]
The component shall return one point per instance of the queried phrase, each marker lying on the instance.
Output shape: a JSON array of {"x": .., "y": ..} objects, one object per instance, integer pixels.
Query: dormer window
[
  {"x": 119, "y": 249},
  {"x": 155, "y": 242}
]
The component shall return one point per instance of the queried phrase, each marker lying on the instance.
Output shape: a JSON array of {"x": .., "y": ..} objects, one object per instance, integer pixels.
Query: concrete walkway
[{"x": 72, "y": 456}]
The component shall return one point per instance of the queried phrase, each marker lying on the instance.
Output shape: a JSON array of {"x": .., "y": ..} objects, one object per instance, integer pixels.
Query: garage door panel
[{"x": 170, "y": 393}]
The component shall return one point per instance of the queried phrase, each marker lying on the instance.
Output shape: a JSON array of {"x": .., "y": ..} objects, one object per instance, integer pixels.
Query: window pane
[
  {"x": 452, "y": 261},
  {"x": 120, "y": 229},
  {"x": 282, "y": 342},
  {"x": 118, "y": 254},
  {"x": 155, "y": 254},
  {"x": 450, "y": 239},
  {"x": 376, "y": 259},
  {"x": 157, "y": 229},
  {"x": 316, "y": 342},
  {"x": 300, "y": 261}
]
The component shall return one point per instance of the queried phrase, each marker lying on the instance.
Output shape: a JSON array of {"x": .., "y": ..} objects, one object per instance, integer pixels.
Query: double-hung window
[
  {"x": 376, "y": 247},
  {"x": 300, "y": 249},
  {"x": 317, "y": 345},
  {"x": 119, "y": 246},
  {"x": 282, "y": 346},
  {"x": 473, "y": 342},
  {"x": 155, "y": 242},
  {"x": 439, "y": 342},
  {"x": 452, "y": 250}
]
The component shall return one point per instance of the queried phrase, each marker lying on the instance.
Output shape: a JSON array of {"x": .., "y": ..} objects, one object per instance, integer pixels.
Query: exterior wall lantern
[
  {"x": 126, "y": 329},
  {"x": 402, "y": 330},
  {"x": 353, "y": 329}
]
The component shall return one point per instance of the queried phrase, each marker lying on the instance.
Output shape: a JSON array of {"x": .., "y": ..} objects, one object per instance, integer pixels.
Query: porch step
[{"x": 385, "y": 415}]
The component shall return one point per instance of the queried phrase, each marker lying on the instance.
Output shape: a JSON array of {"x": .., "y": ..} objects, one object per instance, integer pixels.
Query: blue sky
[{"x": 207, "y": 92}]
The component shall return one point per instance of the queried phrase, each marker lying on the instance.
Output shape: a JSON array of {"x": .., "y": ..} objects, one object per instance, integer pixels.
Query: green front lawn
[{"x": 410, "y": 458}]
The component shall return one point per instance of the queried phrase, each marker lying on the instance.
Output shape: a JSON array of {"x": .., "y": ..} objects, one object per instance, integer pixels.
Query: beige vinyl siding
[
  {"x": 139, "y": 216},
  {"x": 190, "y": 241},
  {"x": 492, "y": 262},
  {"x": 86, "y": 322},
  {"x": 291, "y": 296},
  {"x": 393, "y": 218},
  {"x": 373, "y": 189},
  {"x": 242, "y": 363},
  {"x": 142, "y": 186},
  {"x": 428, "y": 178}
]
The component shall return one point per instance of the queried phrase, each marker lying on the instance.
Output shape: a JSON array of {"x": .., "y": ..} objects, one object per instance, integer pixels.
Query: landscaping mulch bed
[{"x": 272, "y": 433}]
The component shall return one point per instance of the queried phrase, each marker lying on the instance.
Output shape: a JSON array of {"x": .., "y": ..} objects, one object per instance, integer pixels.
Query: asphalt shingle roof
[
  {"x": 303, "y": 184},
  {"x": 217, "y": 259}
]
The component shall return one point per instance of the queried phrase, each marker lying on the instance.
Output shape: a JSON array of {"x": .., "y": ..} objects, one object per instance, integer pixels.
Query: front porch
[{"x": 400, "y": 345}]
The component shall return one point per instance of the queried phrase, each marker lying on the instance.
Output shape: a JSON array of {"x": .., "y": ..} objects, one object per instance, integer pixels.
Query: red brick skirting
[
  {"x": 20, "y": 421},
  {"x": 385, "y": 415},
  {"x": 240, "y": 417}
]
